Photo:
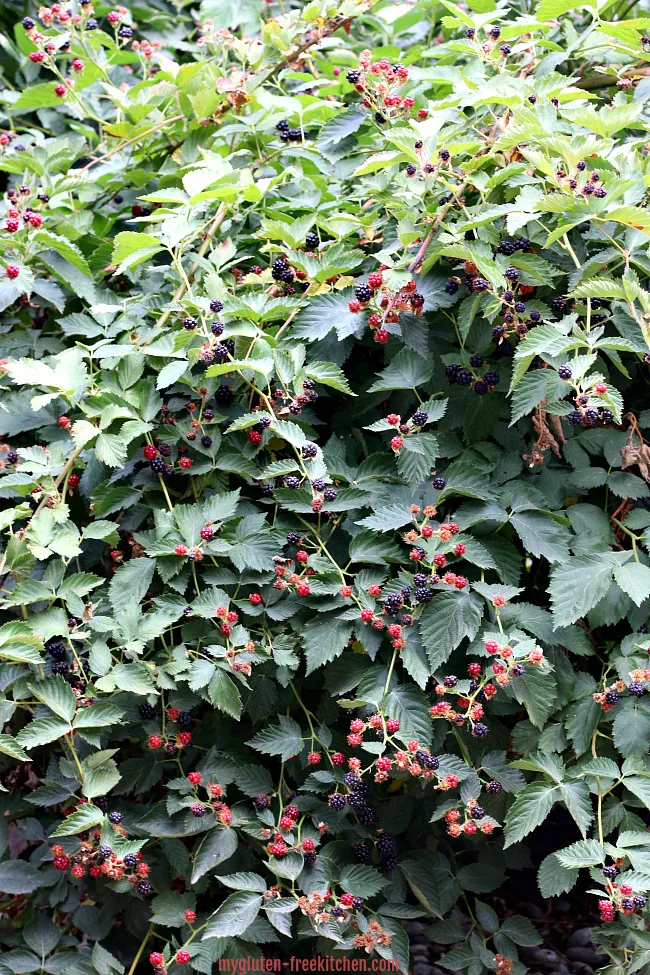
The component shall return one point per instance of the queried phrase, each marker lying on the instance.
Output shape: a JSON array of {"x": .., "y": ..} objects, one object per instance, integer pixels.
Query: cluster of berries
[
  {"x": 182, "y": 739},
  {"x": 430, "y": 168},
  {"x": 146, "y": 48},
  {"x": 182, "y": 957},
  {"x": 587, "y": 412},
  {"x": 610, "y": 695},
  {"x": 98, "y": 859},
  {"x": 214, "y": 801},
  {"x": 20, "y": 213},
  {"x": 387, "y": 303},
  {"x": 7, "y": 140},
  {"x": 7, "y": 455},
  {"x": 619, "y": 897},
  {"x": 287, "y": 579},
  {"x": 291, "y": 404},
  {"x": 158, "y": 456},
  {"x": 592, "y": 187},
  {"x": 472, "y": 818},
  {"x": 378, "y": 82},
  {"x": 481, "y": 689},
  {"x": 489, "y": 46},
  {"x": 414, "y": 425},
  {"x": 195, "y": 552},
  {"x": 287, "y": 133},
  {"x": 321, "y": 491},
  {"x": 481, "y": 384}
]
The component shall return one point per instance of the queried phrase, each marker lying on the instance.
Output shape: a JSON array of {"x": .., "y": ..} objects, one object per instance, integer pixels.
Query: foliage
[{"x": 324, "y": 571}]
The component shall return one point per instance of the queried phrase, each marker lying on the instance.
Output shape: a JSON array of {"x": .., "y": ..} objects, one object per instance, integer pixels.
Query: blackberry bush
[{"x": 312, "y": 614}]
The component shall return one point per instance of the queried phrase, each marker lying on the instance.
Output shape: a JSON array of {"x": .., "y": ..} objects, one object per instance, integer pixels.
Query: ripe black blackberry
[
  {"x": 393, "y": 604},
  {"x": 354, "y": 782},
  {"x": 452, "y": 370},
  {"x": 439, "y": 483},
  {"x": 591, "y": 416},
  {"x": 411, "y": 170},
  {"x": 600, "y": 192},
  {"x": 450, "y": 680},
  {"x": 606, "y": 416},
  {"x": 278, "y": 268},
  {"x": 451, "y": 286},
  {"x": 184, "y": 719},
  {"x": 125, "y": 32},
  {"x": 406, "y": 592},
  {"x": 423, "y": 595},
  {"x": 157, "y": 465},
  {"x": 11, "y": 457},
  {"x": 612, "y": 697},
  {"x": 283, "y": 125},
  {"x": 470, "y": 33},
  {"x": 635, "y": 688},
  {"x": 511, "y": 273},
  {"x": 426, "y": 760},
  {"x": 353, "y": 76},
  {"x": 262, "y": 801},
  {"x": 318, "y": 484},
  {"x": 498, "y": 332},
  {"x": 105, "y": 851},
  {"x": 130, "y": 860},
  {"x": 419, "y": 418},
  {"x": 311, "y": 241},
  {"x": 309, "y": 857},
  {"x": 330, "y": 494},
  {"x": 115, "y": 818},
  {"x": 610, "y": 872},
  {"x": 357, "y": 903},
  {"x": 292, "y": 483},
  {"x": 596, "y": 302},
  {"x": 146, "y": 710},
  {"x": 101, "y": 802},
  {"x": 388, "y": 862},
  {"x": 559, "y": 304},
  {"x": 166, "y": 448},
  {"x": 144, "y": 888},
  {"x": 294, "y": 538},
  {"x": 217, "y": 328},
  {"x": 206, "y": 441},
  {"x": 506, "y": 247},
  {"x": 491, "y": 377},
  {"x": 363, "y": 293},
  {"x": 532, "y": 99},
  {"x": 638, "y": 901},
  {"x": 478, "y": 812},
  {"x": 581, "y": 165},
  {"x": 518, "y": 670},
  {"x": 520, "y": 307},
  {"x": 309, "y": 451},
  {"x": 57, "y": 650},
  {"x": 480, "y": 284},
  {"x": 356, "y": 801},
  {"x": 521, "y": 243},
  {"x": 361, "y": 852},
  {"x": 337, "y": 801},
  {"x": 480, "y": 730},
  {"x": 189, "y": 323},
  {"x": 494, "y": 787},
  {"x": 445, "y": 155},
  {"x": 494, "y": 32},
  {"x": 480, "y": 387},
  {"x": 368, "y": 817},
  {"x": 385, "y": 843},
  {"x": 223, "y": 395},
  {"x": 535, "y": 316},
  {"x": 464, "y": 377},
  {"x": 476, "y": 360}
]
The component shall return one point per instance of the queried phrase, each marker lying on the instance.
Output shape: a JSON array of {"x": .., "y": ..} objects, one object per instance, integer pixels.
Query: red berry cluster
[
  {"x": 379, "y": 82},
  {"x": 287, "y": 579},
  {"x": 619, "y": 898}
]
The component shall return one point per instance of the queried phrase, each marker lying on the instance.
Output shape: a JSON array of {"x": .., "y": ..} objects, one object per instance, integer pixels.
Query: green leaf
[
  {"x": 406, "y": 371},
  {"x": 446, "y": 621},
  {"x": 634, "y": 579},
  {"x": 57, "y": 695},
  {"x": 169, "y": 908},
  {"x": 577, "y": 586},
  {"x": 584, "y": 853},
  {"x": 553, "y": 879},
  {"x": 329, "y": 374},
  {"x": 85, "y": 817},
  {"x": 130, "y": 583},
  {"x": 231, "y": 919},
  {"x": 223, "y": 693},
  {"x": 529, "y": 810},
  {"x": 520, "y": 930},
  {"x": 9, "y": 746},
  {"x": 283, "y": 739},
  {"x": 362, "y": 881},
  {"x": 215, "y": 847},
  {"x": 541, "y": 535},
  {"x": 40, "y": 731}
]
